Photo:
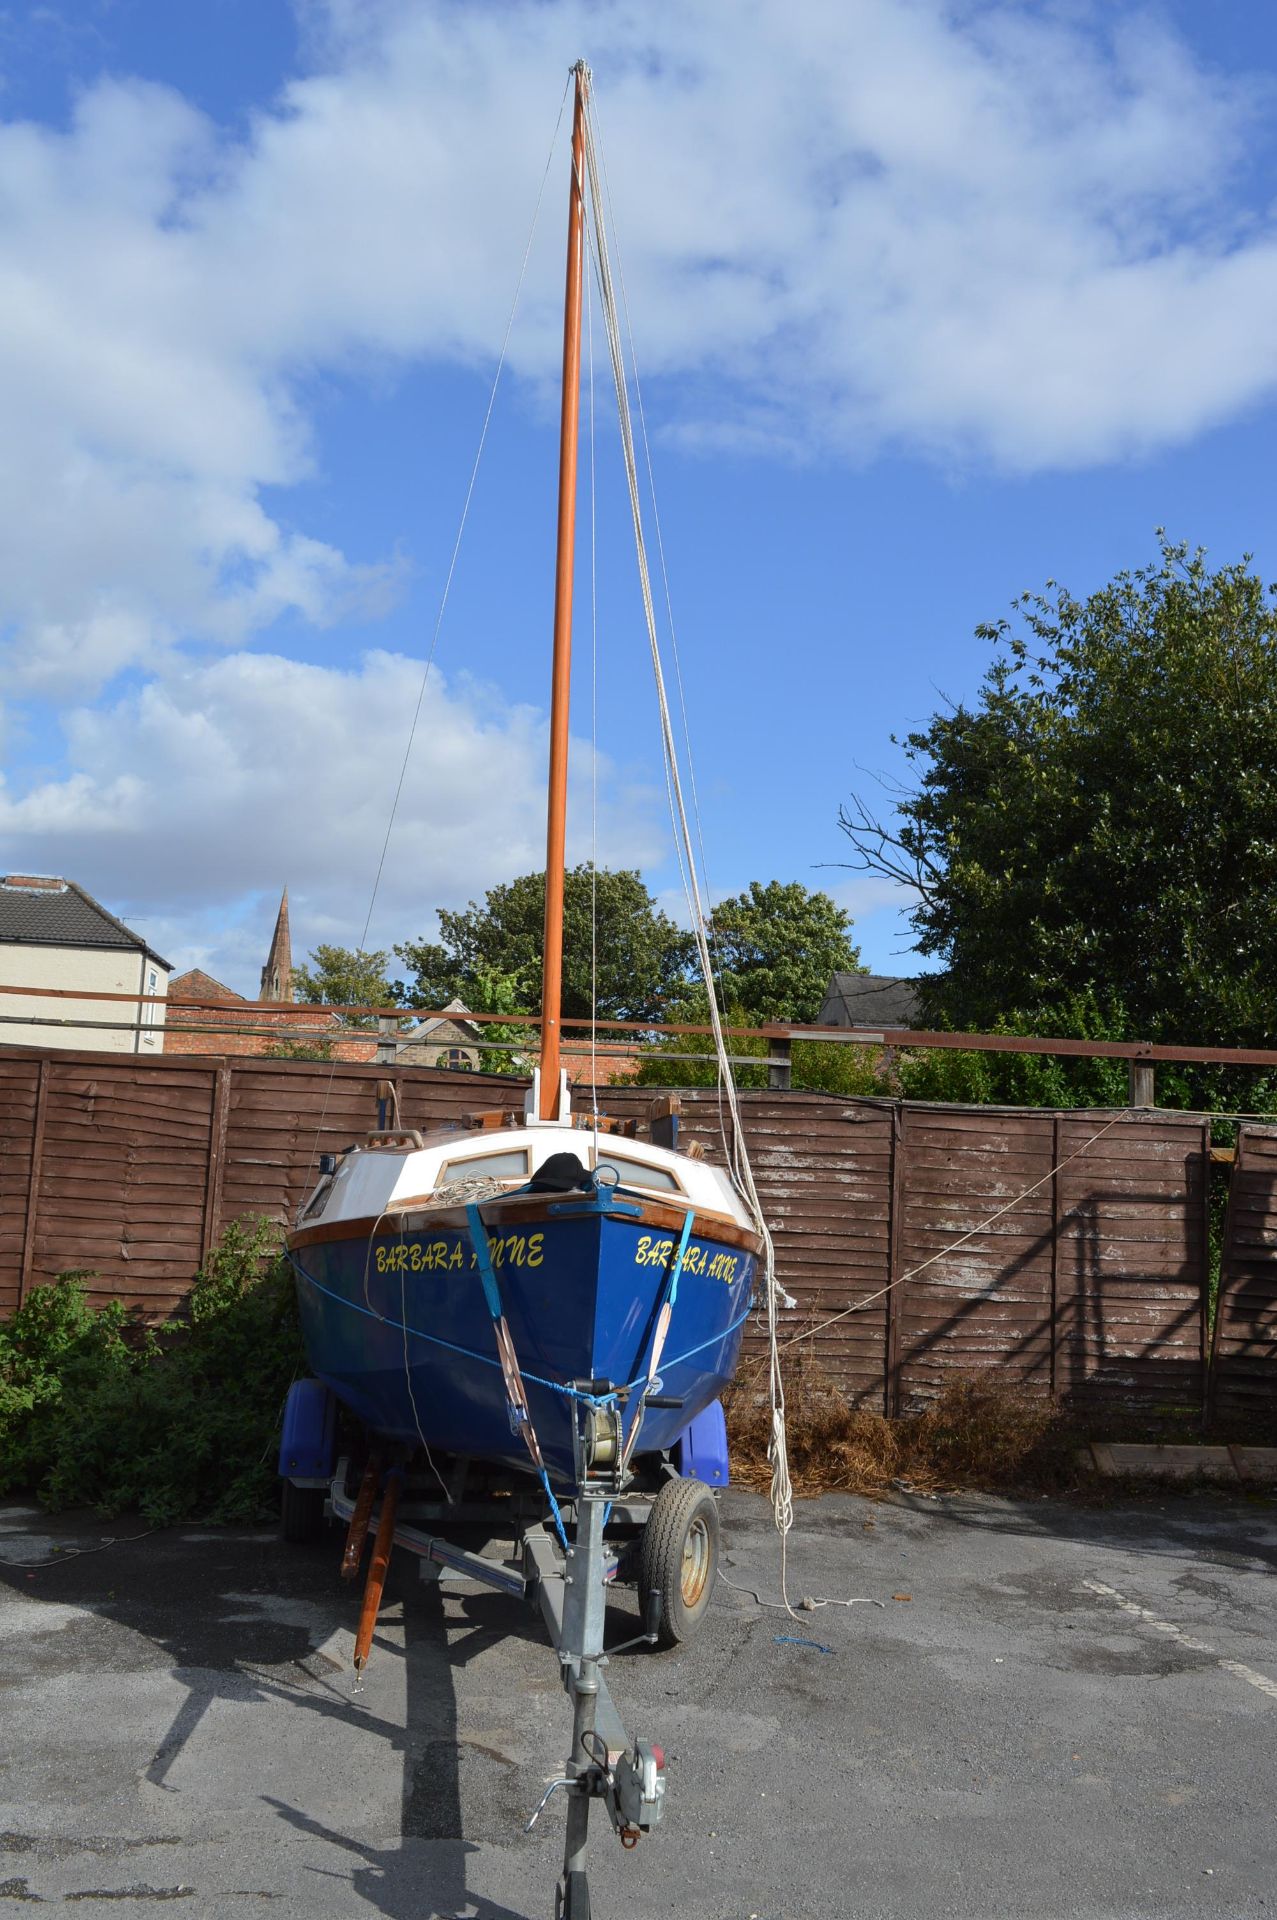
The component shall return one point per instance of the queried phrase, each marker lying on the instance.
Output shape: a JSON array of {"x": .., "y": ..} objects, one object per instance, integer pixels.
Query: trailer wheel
[
  {"x": 301, "y": 1513},
  {"x": 678, "y": 1558},
  {"x": 572, "y": 1897}
]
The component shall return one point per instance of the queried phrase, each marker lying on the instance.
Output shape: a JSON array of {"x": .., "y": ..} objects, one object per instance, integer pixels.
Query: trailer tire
[
  {"x": 572, "y": 1898},
  {"x": 301, "y": 1514},
  {"x": 678, "y": 1558}
]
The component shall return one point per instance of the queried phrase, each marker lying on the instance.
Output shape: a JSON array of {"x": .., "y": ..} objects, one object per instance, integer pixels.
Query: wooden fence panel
[
  {"x": 1244, "y": 1370},
  {"x": 985, "y": 1302},
  {"x": 284, "y": 1114},
  {"x": 1090, "y": 1287},
  {"x": 122, "y": 1176},
  {"x": 1133, "y": 1262},
  {"x": 20, "y": 1081},
  {"x": 1090, "y": 1284}
]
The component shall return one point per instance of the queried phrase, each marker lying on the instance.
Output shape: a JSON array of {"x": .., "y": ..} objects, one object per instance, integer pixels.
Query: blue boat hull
[{"x": 398, "y": 1328}]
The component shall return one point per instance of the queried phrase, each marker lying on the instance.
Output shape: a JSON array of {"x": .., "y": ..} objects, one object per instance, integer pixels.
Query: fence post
[
  {"x": 779, "y": 1068},
  {"x": 891, "y": 1383},
  {"x": 1055, "y": 1254},
  {"x": 385, "y": 1056},
  {"x": 33, "y": 1181},
  {"x": 219, "y": 1120},
  {"x": 1140, "y": 1083},
  {"x": 1209, "y": 1331}
]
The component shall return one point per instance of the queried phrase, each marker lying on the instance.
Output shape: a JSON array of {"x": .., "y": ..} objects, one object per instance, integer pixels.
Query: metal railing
[{"x": 288, "y": 1022}]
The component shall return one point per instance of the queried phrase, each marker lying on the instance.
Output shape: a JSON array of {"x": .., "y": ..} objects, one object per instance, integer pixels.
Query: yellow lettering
[
  {"x": 644, "y": 1246},
  {"x": 536, "y": 1248},
  {"x": 454, "y": 1258}
]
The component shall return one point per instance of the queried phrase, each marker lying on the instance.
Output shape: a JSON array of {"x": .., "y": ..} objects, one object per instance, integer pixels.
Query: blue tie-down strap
[
  {"x": 516, "y": 1394},
  {"x": 556, "y": 1511},
  {"x": 683, "y": 1239},
  {"x": 483, "y": 1254}
]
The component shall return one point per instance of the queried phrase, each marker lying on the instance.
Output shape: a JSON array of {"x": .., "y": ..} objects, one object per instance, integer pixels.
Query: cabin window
[
  {"x": 510, "y": 1165},
  {"x": 636, "y": 1173}
]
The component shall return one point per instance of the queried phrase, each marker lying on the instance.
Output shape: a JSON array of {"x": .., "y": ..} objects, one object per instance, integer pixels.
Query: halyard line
[{"x": 1235, "y": 1667}]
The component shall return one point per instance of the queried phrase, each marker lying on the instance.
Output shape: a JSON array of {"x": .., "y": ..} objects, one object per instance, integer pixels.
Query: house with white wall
[{"x": 55, "y": 935}]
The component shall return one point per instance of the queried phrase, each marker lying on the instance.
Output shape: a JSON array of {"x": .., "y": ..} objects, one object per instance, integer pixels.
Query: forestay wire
[{"x": 734, "y": 1134}]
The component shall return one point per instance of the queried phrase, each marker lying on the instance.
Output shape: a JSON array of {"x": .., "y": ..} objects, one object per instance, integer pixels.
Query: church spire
[{"x": 277, "y": 974}]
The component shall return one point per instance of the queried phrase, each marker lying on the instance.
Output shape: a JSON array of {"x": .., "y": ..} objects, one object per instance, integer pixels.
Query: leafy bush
[{"x": 179, "y": 1424}]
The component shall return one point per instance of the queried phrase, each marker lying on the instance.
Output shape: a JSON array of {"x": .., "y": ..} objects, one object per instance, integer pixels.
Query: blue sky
[{"x": 931, "y": 303}]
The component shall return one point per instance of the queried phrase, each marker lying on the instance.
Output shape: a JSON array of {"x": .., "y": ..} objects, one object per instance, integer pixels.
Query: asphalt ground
[{"x": 1073, "y": 1713}]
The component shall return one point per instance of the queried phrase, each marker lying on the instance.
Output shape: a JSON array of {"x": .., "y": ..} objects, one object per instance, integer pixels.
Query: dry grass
[{"x": 979, "y": 1432}]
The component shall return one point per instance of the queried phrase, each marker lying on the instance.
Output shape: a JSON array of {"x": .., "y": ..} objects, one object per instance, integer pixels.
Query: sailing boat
[{"x": 467, "y": 1293}]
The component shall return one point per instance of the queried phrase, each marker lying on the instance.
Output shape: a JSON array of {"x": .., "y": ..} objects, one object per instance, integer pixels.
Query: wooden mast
[{"x": 556, "y": 811}]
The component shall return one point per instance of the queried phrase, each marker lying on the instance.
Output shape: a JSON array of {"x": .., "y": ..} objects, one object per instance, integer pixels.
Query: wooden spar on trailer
[{"x": 556, "y": 809}]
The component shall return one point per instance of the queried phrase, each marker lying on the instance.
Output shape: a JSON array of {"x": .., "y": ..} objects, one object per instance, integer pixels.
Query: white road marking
[
  {"x": 1259, "y": 1680},
  {"x": 1172, "y": 1632}
]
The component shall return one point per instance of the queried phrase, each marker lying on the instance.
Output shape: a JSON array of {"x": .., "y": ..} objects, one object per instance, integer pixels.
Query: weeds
[
  {"x": 180, "y": 1424},
  {"x": 978, "y": 1433}
]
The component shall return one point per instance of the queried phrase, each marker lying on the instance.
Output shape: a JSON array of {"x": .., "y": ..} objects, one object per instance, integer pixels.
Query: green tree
[
  {"x": 640, "y": 953},
  {"x": 1094, "y": 840},
  {"x": 344, "y": 977},
  {"x": 492, "y": 992},
  {"x": 775, "y": 948}
]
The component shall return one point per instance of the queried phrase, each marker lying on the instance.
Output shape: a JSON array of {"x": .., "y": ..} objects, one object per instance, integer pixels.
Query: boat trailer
[{"x": 564, "y": 1568}]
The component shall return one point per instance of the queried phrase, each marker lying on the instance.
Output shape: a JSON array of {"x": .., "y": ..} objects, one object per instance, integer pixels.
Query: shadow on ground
[{"x": 240, "y": 1618}]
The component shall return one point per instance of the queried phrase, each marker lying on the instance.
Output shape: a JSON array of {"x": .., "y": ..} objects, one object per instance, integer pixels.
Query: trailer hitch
[
  {"x": 636, "y": 1799},
  {"x": 634, "y": 1788}
]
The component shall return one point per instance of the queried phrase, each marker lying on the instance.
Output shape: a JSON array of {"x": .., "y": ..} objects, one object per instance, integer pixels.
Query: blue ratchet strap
[
  {"x": 683, "y": 1239},
  {"x": 668, "y": 1297},
  {"x": 483, "y": 1254},
  {"x": 516, "y": 1394},
  {"x": 559, "y": 1527}
]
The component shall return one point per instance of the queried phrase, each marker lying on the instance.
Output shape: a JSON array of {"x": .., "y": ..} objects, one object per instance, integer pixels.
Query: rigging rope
[{"x": 734, "y": 1135}]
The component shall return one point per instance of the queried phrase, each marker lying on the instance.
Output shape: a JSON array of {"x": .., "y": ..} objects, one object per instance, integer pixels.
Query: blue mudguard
[
  {"x": 308, "y": 1442},
  {"x": 700, "y": 1452}
]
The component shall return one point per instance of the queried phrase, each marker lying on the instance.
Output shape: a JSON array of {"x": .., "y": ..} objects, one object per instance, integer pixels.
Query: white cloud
[
  {"x": 988, "y": 235},
  {"x": 985, "y": 234},
  {"x": 204, "y": 786}
]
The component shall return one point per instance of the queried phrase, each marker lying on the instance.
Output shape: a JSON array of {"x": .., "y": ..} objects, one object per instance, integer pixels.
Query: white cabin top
[{"x": 389, "y": 1174}]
